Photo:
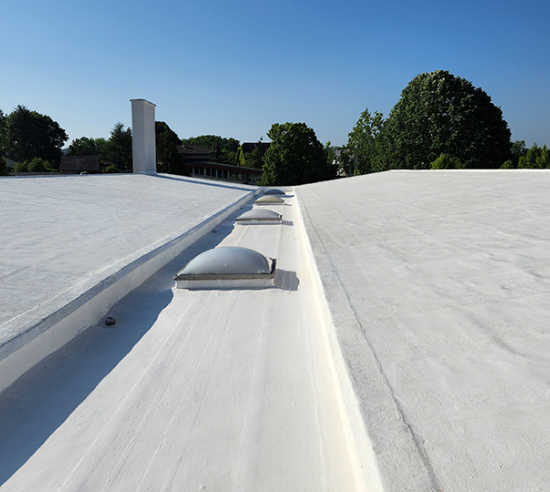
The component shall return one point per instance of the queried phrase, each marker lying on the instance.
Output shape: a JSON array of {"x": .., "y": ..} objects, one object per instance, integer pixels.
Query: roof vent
[
  {"x": 269, "y": 200},
  {"x": 259, "y": 216},
  {"x": 227, "y": 267},
  {"x": 274, "y": 191}
]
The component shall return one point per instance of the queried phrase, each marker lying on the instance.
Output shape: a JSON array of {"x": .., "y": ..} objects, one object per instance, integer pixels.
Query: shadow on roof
[
  {"x": 286, "y": 280},
  {"x": 39, "y": 402}
]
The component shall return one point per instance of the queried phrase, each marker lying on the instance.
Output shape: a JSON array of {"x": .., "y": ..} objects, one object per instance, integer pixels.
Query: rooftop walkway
[
  {"x": 190, "y": 389},
  {"x": 73, "y": 245}
]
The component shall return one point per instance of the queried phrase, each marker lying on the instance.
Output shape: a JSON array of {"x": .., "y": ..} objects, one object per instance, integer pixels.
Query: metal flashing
[{"x": 245, "y": 267}]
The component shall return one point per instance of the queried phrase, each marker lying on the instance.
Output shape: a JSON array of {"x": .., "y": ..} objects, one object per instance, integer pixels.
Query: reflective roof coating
[
  {"x": 269, "y": 199},
  {"x": 230, "y": 261},
  {"x": 259, "y": 214},
  {"x": 274, "y": 191}
]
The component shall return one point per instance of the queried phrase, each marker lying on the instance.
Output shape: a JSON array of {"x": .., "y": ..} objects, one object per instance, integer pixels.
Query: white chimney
[{"x": 143, "y": 137}]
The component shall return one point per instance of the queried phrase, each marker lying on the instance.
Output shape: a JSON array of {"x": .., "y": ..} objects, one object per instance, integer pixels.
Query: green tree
[
  {"x": 535, "y": 158},
  {"x": 221, "y": 148},
  {"x": 446, "y": 161},
  {"x": 254, "y": 159},
  {"x": 21, "y": 167},
  {"x": 39, "y": 165},
  {"x": 112, "y": 169},
  {"x": 231, "y": 158},
  {"x": 295, "y": 157},
  {"x": 168, "y": 158},
  {"x": 440, "y": 113},
  {"x": 36, "y": 165},
  {"x": 240, "y": 159},
  {"x": 3, "y": 128},
  {"x": 120, "y": 147},
  {"x": 517, "y": 151},
  {"x": 362, "y": 153},
  {"x": 83, "y": 146},
  {"x": 28, "y": 134}
]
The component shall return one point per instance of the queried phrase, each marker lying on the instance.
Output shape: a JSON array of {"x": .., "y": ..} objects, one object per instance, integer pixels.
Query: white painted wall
[{"x": 143, "y": 137}]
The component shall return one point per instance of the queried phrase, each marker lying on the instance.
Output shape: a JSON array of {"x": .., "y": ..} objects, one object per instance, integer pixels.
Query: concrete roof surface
[{"x": 439, "y": 287}]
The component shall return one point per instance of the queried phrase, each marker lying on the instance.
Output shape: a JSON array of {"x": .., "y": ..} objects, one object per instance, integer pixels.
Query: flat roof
[
  {"x": 438, "y": 283},
  {"x": 404, "y": 345},
  {"x": 63, "y": 235},
  {"x": 223, "y": 389}
]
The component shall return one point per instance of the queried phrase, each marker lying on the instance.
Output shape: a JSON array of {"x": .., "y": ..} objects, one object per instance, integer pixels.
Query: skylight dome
[
  {"x": 274, "y": 191},
  {"x": 269, "y": 200},
  {"x": 258, "y": 216},
  {"x": 229, "y": 266}
]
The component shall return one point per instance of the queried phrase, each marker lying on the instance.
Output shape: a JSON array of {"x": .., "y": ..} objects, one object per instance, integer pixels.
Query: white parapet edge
[
  {"x": 87, "y": 303},
  {"x": 361, "y": 454}
]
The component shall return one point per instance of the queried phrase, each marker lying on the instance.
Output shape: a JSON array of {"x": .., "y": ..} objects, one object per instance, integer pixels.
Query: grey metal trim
[{"x": 235, "y": 276}]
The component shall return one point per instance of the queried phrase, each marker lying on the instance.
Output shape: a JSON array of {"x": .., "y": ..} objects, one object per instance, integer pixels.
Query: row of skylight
[{"x": 233, "y": 266}]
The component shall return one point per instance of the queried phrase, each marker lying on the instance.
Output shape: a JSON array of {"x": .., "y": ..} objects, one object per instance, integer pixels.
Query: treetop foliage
[
  {"x": 28, "y": 134},
  {"x": 295, "y": 157},
  {"x": 168, "y": 158},
  {"x": 535, "y": 158},
  {"x": 441, "y": 113},
  {"x": 214, "y": 143},
  {"x": 362, "y": 153},
  {"x": 446, "y": 161},
  {"x": 438, "y": 113},
  {"x": 223, "y": 150},
  {"x": 120, "y": 149}
]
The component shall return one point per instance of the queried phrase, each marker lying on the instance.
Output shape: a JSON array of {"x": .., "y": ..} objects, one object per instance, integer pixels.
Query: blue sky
[{"x": 235, "y": 67}]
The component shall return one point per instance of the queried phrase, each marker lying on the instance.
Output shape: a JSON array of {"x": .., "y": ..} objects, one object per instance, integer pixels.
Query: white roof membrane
[
  {"x": 441, "y": 308},
  {"x": 86, "y": 241},
  {"x": 228, "y": 390}
]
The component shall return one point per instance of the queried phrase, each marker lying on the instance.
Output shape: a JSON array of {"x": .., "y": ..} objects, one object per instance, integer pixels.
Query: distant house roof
[
  {"x": 193, "y": 149},
  {"x": 10, "y": 159},
  {"x": 228, "y": 167},
  {"x": 193, "y": 153},
  {"x": 79, "y": 163},
  {"x": 251, "y": 146}
]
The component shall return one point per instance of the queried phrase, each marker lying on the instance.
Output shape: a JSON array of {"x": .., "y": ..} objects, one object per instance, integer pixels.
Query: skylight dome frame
[
  {"x": 259, "y": 216},
  {"x": 269, "y": 200},
  {"x": 213, "y": 269},
  {"x": 274, "y": 191}
]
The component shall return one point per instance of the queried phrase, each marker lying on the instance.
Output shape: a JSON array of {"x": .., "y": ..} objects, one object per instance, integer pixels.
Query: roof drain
[
  {"x": 225, "y": 268},
  {"x": 259, "y": 216},
  {"x": 269, "y": 200}
]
